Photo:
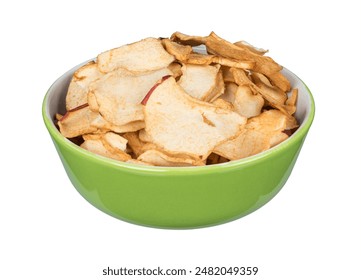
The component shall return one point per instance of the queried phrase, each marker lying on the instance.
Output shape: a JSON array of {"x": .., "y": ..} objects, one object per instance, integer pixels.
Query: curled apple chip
[
  {"x": 137, "y": 145},
  {"x": 199, "y": 80},
  {"x": 142, "y": 56},
  {"x": 77, "y": 122},
  {"x": 246, "y": 103},
  {"x": 259, "y": 134},
  {"x": 103, "y": 125},
  {"x": 79, "y": 85},
  {"x": 159, "y": 158},
  {"x": 180, "y": 52},
  {"x": 251, "y": 48},
  {"x": 120, "y": 92},
  {"x": 179, "y": 123},
  {"x": 97, "y": 146}
]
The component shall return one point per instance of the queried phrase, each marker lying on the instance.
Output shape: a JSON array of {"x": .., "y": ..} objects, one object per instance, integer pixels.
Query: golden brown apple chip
[
  {"x": 119, "y": 94},
  {"x": 114, "y": 141},
  {"x": 176, "y": 69},
  {"x": 179, "y": 123},
  {"x": 142, "y": 56},
  {"x": 159, "y": 158},
  {"x": 79, "y": 85},
  {"x": 97, "y": 146},
  {"x": 251, "y": 48},
  {"x": 77, "y": 122},
  {"x": 136, "y": 145},
  {"x": 180, "y": 52},
  {"x": 258, "y": 135},
  {"x": 199, "y": 80},
  {"x": 273, "y": 95},
  {"x": 104, "y": 125},
  {"x": 246, "y": 103},
  {"x": 187, "y": 40},
  {"x": 280, "y": 81},
  {"x": 223, "y": 48}
]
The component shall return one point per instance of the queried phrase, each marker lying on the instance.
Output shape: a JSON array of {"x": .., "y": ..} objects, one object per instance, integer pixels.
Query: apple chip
[
  {"x": 104, "y": 125},
  {"x": 221, "y": 47},
  {"x": 79, "y": 85},
  {"x": 158, "y": 158},
  {"x": 246, "y": 103},
  {"x": 119, "y": 94},
  {"x": 259, "y": 134},
  {"x": 97, "y": 146},
  {"x": 136, "y": 145},
  {"x": 187, "y": 39},
  {"x": 142, "y": 56},
  {"x": 199, "y": 80},
  {"x": 273, "y": 95},
  {"x": 115, "y": 142},
  {"x": 251, "y": 48},
  {"x": 180, "y": 52},
  {"x": 179, "y": 123},
  {"x": 176, "y": 69},
  {"x": 77, "y": 121},
  {"x": 280, "y": 81}
]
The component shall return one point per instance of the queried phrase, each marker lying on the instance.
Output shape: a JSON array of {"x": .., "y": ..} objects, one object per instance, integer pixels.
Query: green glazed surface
[{"x": 178, "y": 197}]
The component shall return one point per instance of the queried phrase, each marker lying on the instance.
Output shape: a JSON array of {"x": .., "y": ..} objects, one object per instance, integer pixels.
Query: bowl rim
[{"x": 234, "y": 164}]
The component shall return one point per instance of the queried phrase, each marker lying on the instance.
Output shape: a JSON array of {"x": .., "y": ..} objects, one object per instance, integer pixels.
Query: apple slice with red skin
[
  {"x": 145, "y": 99},
  {"x": 73, "y": 110}
]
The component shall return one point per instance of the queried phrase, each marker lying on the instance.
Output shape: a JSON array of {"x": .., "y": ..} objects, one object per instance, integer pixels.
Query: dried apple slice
[
  {"x": 119, "y": 94},
  {"x": 187, "y": 39},
  {"x": 159, "y": 158},
  {"x": 280, "y": 81},
  {"x": 104, "y": 125},
  {"x": 246, "y": 103},
  {"x": 97, "y": 146},
  {"x": 199, "y": 80},
  {"x": 251, "y": 48},
  {"x": 259, "y": 134},
  {"x": 142, "y": 56},
  {"x": 115, "y": 141},
  {"x": 223, "y": 48},
  {"x": 136, "y": 145},
  {"x": 79, "y": 85},
  {"x": 77, "y": 122},
  {"x": 179, "y": 123},
  {"x": 180, "y": 52},
  {"x": 176, "y": 69}
]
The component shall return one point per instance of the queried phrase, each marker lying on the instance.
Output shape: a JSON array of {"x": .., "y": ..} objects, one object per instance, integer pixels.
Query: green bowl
[{"x": 178, "y": 197}]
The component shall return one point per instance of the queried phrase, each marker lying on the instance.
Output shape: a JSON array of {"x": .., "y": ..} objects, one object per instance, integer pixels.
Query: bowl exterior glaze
[{"x": 164, "y": 197}]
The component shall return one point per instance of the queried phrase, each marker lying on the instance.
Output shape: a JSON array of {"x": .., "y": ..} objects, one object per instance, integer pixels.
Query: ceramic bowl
[{"x": 178, "y": 197}]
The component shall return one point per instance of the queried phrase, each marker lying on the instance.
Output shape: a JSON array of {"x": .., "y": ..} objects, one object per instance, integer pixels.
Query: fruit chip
[
  {"x": 179, "y": 123},
  {"x": 179, "y": 101}
]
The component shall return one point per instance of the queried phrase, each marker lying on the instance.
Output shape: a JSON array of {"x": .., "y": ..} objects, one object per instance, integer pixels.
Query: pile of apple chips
[{"x": 179, "y": 101}]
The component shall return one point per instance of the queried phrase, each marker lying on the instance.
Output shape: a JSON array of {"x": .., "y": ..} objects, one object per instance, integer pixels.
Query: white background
[{"x": 310, "y": 230}]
